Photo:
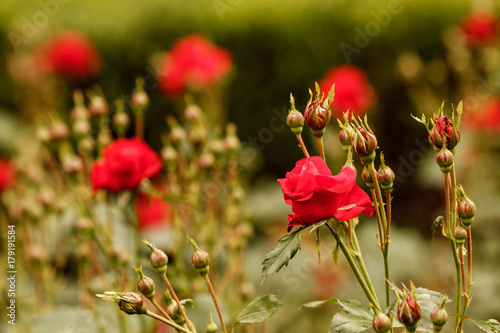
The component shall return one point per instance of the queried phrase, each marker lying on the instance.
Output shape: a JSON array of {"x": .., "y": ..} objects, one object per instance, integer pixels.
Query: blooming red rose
[
  {"x": 480, "y": 28},
  {"x": 444, "y": 129},
  {"x": 126, "y": 162},
  {"x": 70, "y": 55},
  {"x": 195, "y": 63},
  {"x": 353, "y": 91},
  {"x": 315, "y": 194},
  {"x": 7, "y": 174}
]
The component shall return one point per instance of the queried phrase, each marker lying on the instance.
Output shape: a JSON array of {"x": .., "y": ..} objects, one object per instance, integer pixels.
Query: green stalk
[
  {"x": 178, "y": 302},
  {"x": 166, "y": 321},
  {"x": 364, "y": 284},
  {"x": 302, "y": 145},
  {"x": 361, "y": 262},
  {"x": 321, "y": 148}
]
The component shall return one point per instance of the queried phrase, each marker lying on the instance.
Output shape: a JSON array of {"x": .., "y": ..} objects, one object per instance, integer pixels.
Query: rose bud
[
  {"x": 192, "y": 112},
  {"x": 129, "y": 302},
  {"x": 364, "y": 144},
  {"x": 295, "y": 120},
  {"x": 145, "y": 284},
  {"x": 58, "y": 131},
  {"x": 367, "y": 178},
  {"x": 385, "y": 176},
  {"x": 200, "y": 259},
  {"x": 444, "y": 158},
  {"x": 81, "y": 127},
  {"x": 444, "y": 131},
  {"x": 381, "y": 323},
  {"x": 84, "y": 226},
  {"x": 460, "y": 234},
  {"x": 98, "y": 106},
  {"x": 168, "y": 154},
  {"x": 212, "y": 327},
  {"x": 409, "y": 311},
  {"x": 466, "y": 209},
  {"x": 231, "y": 141},
  {"x": 439, "y": 317},
  {"x": 121, "y": 120},
  {"x": 317, "y": 117},
  {"x": 206, "y": 160},
  {"x": 158, "y": 258},
  {"x": 345, "y": 140}
]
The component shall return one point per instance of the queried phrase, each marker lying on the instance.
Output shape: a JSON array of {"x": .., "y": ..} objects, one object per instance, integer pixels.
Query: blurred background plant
[{"x": 404, "y": 57}]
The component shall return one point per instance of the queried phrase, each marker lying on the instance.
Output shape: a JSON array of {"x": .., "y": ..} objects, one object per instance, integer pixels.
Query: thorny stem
[
  {"x": 216, "y": 303},
  {"x": 168, "y": 322},
  {"x": 302, "y": 145},
  {"x": 388, "y": 200},
  {"x": 178, "y": 302},
  {"x": 364, "y": 284}
]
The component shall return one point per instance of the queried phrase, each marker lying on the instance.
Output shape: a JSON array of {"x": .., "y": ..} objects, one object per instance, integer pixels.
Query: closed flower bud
[
  {"x": 460, "y": 234},
  {"x": 192, "y": 112},
  {"x": 81, "y": 127},
  {"x": 444, "y": 158},
  {"x": 84, "y": 226},
  {"x": 381, "y": 323},
  {"x": 168, "y": 154},
  {"x": 344, "y": 140},
  {"x": 409, "y": 312},
  {"x": 439, "y": 317},
  {"x": 174, "y": 312},
  {"x": 58, "y": 131},
  {"x": 317, "y": 117},
  {"x": 139, "y": 99},
  {"x": 231, "y": 141},
  {"x": 98, "y": 106},
  {"x": 367, "y": 178},
  {"x": 158, "y": 258},
  {"x": 385, "y": 176},
  {"x": 121, "y": 120},
  {"x": 466, "y": 209},
  {"x": 295, "y": 120},
  {"x": 145, "y": 284},
  {"x": 200, "y": 259},
  {"x": 211, "y": 327},
  {"x": 206, "y": 160},
  {"x": 364, "y": 144},
  {"x": 132, "y": 303}
]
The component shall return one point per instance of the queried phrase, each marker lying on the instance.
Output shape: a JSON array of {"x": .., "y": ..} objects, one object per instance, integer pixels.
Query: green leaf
[
  {"x": 489, "y": 326},
  {"x": 439, "y": 220},
  {"x": 317, "y": 304},
  {"x": 260, "y": 309},
  {"x": 353, "y": 319},
  {"x": 288, "y": 246}
]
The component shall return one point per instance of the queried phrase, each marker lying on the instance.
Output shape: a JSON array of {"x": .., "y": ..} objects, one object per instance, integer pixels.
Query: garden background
[{"x": 407, "y": 49}]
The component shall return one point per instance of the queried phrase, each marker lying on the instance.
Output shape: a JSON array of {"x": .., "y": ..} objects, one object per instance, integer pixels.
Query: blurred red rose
[
  {"x": 7, "y": 174},
  {"x": 195, "y": 63},
  {"x": 71, "y": 55},
  {"x": 152, "y": 212},
  {"x": 486, "y": 118},
  {"x": 480, "y": 28},
  {"x": 353, "y": 92},
  {"x": 126, "y": 162},
  {"x": 315, "y": 194}
]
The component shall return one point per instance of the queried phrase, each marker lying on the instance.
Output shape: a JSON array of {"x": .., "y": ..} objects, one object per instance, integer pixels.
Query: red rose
[
  {"x": 315, "y": 194},
  {"x": 70, "y": 55},
  {"x": 480, "y": 28},
  {"x": 126, "y": 163},
  {"x": 193, "y": 62},
  {"x": 353, "y": 92},
  {"x": 7, "y": 174}
]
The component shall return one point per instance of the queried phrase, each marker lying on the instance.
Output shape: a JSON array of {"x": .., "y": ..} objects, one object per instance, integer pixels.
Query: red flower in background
[
  {"x": 125, "y": 164},
  {"x": 152, "y": 212},
  {"x": 480, "y": 28},
  {"x": 195, "y": 63},
  {"x": 315, "y": 194},
  {"x": 7, "y": 174},
  {"x": 71, "y": 55},
  {"x": 486, "y": 118},
  {"x": 353, "y": 91}
]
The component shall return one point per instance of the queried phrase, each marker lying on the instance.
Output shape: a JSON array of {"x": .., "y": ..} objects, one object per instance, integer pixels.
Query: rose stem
[
  {"x": 469, "y": 259},
  {"x": 371, "y": 297},
  {"x": 385, "y": 244},
  {"x": 214, "y": 299},
  {"x": 377, "y": 213},
  {"x": 321, "y": 148},
  {"x": 177, "y": 301},
  {"x": 168, "y": 322},
  {"x": 163, "y": 312},
  {"x": 447, "y": 190},
  {"x": 302, "y": 145},
  {"x": 361, "y": 262}
]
